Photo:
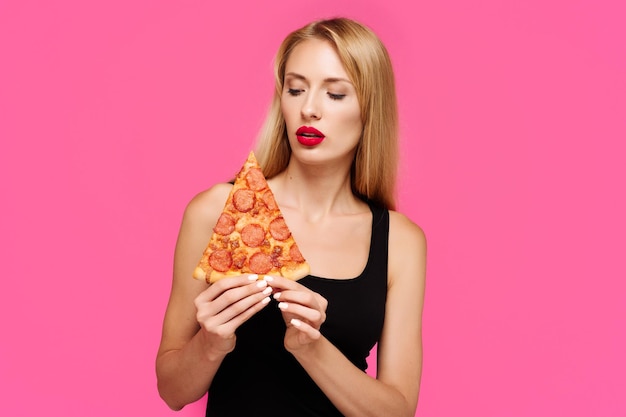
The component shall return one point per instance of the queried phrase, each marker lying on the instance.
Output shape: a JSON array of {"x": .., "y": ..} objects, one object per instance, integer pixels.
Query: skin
[
  {"x": 323, "y": 97},
  {"x": 315, "y": 198}
]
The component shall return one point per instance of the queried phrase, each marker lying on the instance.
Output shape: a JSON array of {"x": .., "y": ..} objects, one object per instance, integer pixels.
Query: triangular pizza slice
[{"x": 251, "y": 236}]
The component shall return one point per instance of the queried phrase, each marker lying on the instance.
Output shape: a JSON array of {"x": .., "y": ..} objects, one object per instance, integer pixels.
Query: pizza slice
[{"x": 251, "y": 236}]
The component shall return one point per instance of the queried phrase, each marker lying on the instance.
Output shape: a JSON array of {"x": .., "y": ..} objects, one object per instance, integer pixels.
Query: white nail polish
[
  {"x": 283, "y": 305},
  {"x": 295, "y": 322},
  {"x": 268, "y": 278},
  {"x": 277, "y": 295},
  {"x": 253, "y": 277},
  {"x": 261, "y": 284},
  {"x": 265, "y": 300},
  {"x": 267, "y": 291}
]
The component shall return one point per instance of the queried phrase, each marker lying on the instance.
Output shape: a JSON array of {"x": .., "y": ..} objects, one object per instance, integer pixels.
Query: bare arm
[
  {"x": 354, "y": 393},
  {"x": 200, "y": 320}
]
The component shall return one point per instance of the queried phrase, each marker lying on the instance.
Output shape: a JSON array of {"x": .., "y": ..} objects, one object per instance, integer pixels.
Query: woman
[{"x": 276, "y": 347}]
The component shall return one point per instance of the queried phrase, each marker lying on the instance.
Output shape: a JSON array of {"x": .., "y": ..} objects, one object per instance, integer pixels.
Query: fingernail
[
  {"x": 267, "y": 291},
  {"x": 268, "y": 278},
  {"x": 295, "y": 322},
  {"x": 277, "y": 295},
  {"x": 261, "y": 284},
  {"x": 265, "y": 300},
  {"x": 253, "y": 277},
  {"x": 283, "y": 305}
]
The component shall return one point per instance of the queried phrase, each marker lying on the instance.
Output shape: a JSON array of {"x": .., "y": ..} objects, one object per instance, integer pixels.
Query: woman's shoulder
[
  {"x": 208, "y": 204},
  {"x": 403, "y": 228},
  {"x": 407, "y": 247},
  {"x": 210, "y": 197}
]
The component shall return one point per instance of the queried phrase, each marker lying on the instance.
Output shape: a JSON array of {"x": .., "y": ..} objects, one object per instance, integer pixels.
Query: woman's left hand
[{"x": 303, "y": 310}]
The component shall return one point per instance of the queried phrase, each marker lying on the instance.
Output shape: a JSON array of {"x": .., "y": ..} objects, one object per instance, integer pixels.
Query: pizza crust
[{"x": 296, "y": 272}]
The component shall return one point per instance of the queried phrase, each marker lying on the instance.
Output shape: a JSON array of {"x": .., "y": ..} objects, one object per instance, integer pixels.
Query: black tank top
[{"x": 354, "y": 321}]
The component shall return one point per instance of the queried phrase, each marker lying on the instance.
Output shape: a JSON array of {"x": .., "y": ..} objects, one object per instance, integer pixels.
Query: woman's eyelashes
[
  {"x": 336, "y": 96},
  {"x": 297, "y": 91},
  {"x": 294, "y": 91}
]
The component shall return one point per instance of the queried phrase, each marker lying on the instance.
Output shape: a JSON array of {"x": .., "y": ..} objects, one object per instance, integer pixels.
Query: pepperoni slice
[
  {"x": 220, "y": 260},
  {"x": 260, "y": 263},
  {"x": 255, "y": 179},
  {"x": 279, "y": 229},
  {"x": 268, "y": 199},
  {"x": 253, "y": 235},
  {"x": 225, "y": 224},
  {"x": 294, "y": 253},
  {"x": 243, "y": 200}
]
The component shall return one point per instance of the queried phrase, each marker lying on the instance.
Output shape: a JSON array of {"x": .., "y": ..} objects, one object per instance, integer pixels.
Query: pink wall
[{"x": 114, "y": 114}]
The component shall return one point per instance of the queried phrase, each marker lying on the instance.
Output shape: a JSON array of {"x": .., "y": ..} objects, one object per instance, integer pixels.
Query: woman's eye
[
  {"x": 336, "y": 96},
  {"x": 293, "y": 92}
]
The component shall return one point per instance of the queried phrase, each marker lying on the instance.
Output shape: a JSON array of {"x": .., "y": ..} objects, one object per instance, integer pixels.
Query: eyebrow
[{"x": 326, "y": 80}]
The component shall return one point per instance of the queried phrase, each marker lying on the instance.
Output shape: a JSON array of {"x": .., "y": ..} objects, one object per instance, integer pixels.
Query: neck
[{"x": 315, "y": 191}]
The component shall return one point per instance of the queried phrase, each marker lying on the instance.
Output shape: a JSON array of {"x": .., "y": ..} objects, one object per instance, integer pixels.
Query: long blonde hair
[{"x": 368, "y": 65}]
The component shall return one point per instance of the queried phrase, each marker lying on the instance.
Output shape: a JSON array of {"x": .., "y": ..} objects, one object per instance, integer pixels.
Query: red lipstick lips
[{"x": 309, "y": 136}]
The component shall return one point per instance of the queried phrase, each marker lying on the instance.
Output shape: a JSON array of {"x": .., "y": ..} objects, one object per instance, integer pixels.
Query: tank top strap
[{"x": 379, "y": 257}]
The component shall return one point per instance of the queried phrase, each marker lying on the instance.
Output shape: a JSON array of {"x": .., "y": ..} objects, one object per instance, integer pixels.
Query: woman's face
[{"x": 319, "y": 104}]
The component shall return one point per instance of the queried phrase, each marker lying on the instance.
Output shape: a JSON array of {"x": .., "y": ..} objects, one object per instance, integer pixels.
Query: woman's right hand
[{"x": 225, "y": 306}]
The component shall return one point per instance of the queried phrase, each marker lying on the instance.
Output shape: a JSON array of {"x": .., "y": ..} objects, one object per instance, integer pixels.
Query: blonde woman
[{"x": 275, "y": 347}]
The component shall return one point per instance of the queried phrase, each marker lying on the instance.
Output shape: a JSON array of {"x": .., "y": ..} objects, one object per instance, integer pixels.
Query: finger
[
  {"x": 241, "y": 304},
  {"x": 306, "y": 298},
  {"x": 219, "y": 287},
  {"x": 304, "y": 313},
  {"x": 311, "y": 332},
  {"x": 301, "y": 296},
  {"x": 241, "y": 314},
  {"x": 234, "y": 314},
  {"x": 231, "y": 296},
  {"x": 282, "y": 283},
  {"x": 225, "y": 284}
]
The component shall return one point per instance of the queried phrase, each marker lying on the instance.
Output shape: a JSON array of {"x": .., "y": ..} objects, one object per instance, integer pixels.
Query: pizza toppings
[
  {"x": 279, "y": 229},
  {"x": 239, "y": 261},
  {"x": 256, "y": 180},
  {"x": 220, "y": 260},
  {"x": 295, "y": 254},
  {"x": 261, "y": 263},
  {"x": 268, "y": 200},
  {"x": 244, "y": 200},
  {"x": 225, "y": 224},
  {"x": 251, "y": 235}
]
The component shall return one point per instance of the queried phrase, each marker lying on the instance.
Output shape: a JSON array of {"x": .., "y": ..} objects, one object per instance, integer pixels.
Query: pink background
[{"x": 113, "y": 114}]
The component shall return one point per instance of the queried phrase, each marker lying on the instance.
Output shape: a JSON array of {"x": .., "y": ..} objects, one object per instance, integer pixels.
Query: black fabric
[{"x": 354, "y": 321}]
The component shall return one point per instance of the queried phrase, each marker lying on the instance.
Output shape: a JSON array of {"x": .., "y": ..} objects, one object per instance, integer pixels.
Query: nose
[{"x": 311, "y": 109}]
